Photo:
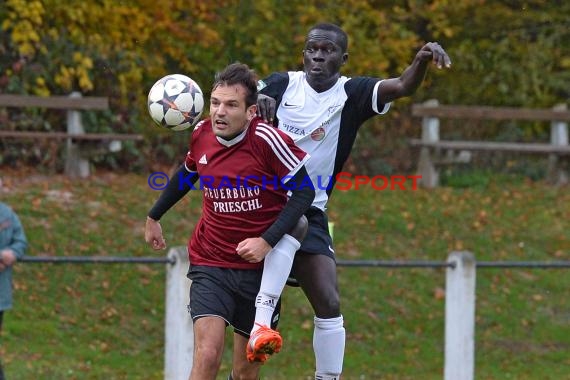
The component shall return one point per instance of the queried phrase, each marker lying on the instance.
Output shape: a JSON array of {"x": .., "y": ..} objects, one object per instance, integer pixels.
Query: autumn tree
[{"x": 504, "y": 52}]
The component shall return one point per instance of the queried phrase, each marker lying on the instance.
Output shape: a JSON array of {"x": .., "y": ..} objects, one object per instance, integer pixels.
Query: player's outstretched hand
[
  {"x": 266, "y": 108},
  {"x": 153, "y": 234},
  {"x": 434, "y": 52}
]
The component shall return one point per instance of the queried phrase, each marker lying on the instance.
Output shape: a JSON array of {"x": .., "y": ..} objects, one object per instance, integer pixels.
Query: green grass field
[{"x": 103, "y": 321}]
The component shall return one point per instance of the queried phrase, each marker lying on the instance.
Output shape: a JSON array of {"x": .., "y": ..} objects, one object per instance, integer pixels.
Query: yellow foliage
[
  {"x": 24, "y": 20},
  {"x": 119, "y": 49},
  {"x": 41, "y": 89},
  {"x": 64, "y": 78}
]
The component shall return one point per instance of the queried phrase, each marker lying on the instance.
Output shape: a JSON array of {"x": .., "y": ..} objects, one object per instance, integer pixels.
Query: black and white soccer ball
[{"x": 175, "y": 102}]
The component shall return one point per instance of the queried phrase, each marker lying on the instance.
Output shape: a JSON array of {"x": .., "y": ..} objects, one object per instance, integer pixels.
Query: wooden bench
[
  {"x": 78, "y": 142},
  {"x": 65, "y": 135},
  {"x": 493, "y": 146},
  {"x": 436, "y": 152}
]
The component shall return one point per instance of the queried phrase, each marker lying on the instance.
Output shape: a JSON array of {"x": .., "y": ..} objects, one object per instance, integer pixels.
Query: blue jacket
[{"x": 11, "y": 237}]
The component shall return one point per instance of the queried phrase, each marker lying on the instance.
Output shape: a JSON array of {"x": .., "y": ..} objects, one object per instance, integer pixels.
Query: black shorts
[
  {"x": 318, "y": 240},
  {"x": 226, "y": 293}
]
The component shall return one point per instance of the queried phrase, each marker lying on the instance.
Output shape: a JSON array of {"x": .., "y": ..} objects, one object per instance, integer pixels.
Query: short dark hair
[
  {"x": 342, "y": 36},
  {"x": 239, "y": 73}
]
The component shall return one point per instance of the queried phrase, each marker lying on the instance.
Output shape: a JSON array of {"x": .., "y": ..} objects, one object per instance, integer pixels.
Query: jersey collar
[{"x": 235, "y": 140}]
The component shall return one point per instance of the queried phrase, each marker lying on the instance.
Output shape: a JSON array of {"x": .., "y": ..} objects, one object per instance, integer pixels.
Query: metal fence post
[
  {"x": 430, "y": 133},
  {"x": 179, "y": 334},
  {"x": 460, "y": 317}
]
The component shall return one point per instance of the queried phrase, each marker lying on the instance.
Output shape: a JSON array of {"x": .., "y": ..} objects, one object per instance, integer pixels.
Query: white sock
[
  {"x": 328, "y": 343},
  {"x": 276, "y": 269}
]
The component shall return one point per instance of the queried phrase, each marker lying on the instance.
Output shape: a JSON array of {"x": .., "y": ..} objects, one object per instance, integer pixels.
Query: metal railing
[{"x": 459, "y": 358}]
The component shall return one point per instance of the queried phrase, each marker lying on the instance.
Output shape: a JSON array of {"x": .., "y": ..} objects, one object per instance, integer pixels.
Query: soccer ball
[{"x": 175, "y": 102}]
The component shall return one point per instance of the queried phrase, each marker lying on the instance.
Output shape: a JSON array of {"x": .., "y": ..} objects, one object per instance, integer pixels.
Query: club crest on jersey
[
  {"x": 203, "y": 160},
  {"x": 318, "y": 134}
]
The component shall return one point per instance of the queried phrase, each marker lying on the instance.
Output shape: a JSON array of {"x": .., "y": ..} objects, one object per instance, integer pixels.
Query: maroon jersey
[{"x": 241, "y": 184}]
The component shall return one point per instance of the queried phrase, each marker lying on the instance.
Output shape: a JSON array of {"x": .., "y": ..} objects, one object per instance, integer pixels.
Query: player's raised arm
[
  {"x": 413, "y": 76},
  {"x": 176, "y": 189}
]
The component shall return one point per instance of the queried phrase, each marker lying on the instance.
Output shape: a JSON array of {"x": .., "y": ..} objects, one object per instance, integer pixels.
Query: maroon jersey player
[{"x": 255, "y": 189}]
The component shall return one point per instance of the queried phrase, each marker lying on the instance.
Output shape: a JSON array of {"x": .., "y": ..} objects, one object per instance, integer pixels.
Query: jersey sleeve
[
  {"x": 190, "y": 161},
  {"x": 279, "y": 152},
  {"x": 274, "y": 85},
  {"x": 364, "y": 93}
]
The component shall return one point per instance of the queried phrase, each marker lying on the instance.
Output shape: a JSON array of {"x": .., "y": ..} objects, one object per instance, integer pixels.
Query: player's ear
[
  {"x": 251, "y": 111},
  {"x": 344, "y": 58}
]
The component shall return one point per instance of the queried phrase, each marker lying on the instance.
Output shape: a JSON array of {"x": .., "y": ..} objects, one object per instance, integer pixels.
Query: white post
[
  {"x": 179, "y": 334},
  {"x": 75, "y": 164},
  {"x": 430, "y": 133},
  {"x": 558, "y": 137},
  {"x": 460, "y": 317}
]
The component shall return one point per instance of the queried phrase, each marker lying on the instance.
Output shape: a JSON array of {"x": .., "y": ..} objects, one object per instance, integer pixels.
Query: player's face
[
  {"x": 228, "y": 111},
  {"x": 322, "y": 58}
]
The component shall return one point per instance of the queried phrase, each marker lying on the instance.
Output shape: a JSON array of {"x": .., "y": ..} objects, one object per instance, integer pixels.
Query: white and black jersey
[{"x": 323, "y": 124}]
